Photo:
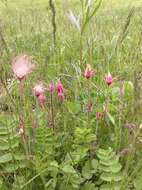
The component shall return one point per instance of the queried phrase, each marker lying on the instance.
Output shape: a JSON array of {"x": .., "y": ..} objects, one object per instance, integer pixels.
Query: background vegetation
[{"x": 81, "y": 151}]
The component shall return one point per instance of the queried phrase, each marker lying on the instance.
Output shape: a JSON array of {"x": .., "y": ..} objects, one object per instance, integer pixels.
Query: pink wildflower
[
  {"x": 60, "y": 91},
  {"x": 109, "y": 79},
  {"x": 51, "y": 88},
  {"x": 88, "y": 73},
  {"x": 38, "y": 89},
  {"x": 60, "y": 88},
  {"x": 22, "y": 66},
  {"x": 99, "y": 115},
  {"x": 42, "y": 99}
]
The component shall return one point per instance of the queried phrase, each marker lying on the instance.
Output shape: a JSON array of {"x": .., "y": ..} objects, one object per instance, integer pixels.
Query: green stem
[
  {"x": 52, "y": 111},
  {"x": 129, "y": 159}
]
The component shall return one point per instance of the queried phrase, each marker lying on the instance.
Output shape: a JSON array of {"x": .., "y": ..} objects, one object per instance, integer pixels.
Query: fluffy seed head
[
  {"x": 38, "y": 89},
  {"x": 22, "y": 66}
]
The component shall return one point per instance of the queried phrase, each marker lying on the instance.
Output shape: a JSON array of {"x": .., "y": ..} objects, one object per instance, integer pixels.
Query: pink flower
[
  {"x": 60, "y": 91},
  {"x": 88, "y": 73},
  {"x": 109, "y": 79},
  {"x": 51, "y": 88},
  {"x": 99, "y": 115},
  {"x": 61, "y": 96},
  {"x": 38, "y": 89},
  {"x": 42, "y": 99},
  {"x": 22, "y": 66},
  {"x": 60, "y": 88}
]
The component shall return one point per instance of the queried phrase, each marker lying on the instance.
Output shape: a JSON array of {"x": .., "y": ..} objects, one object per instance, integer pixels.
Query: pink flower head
[
  {"x": 38, "y": 89},
  {"x": 51, "y": 88},
  {"x": 42, "y": 99},
  {"x": 109, "y": 79},
  {"x": 88, "y": 73},
  {"x": 60, "y": 88},
  {"x": 99, "y": 115},
  {"x": 60, "y": 91},
  {"x": 22, "y": 66}
]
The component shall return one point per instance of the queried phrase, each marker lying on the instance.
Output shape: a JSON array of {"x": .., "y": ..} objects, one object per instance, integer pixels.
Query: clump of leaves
[
  {"x": 110, "y": 169},
  {"x": 12, "y": 158}
]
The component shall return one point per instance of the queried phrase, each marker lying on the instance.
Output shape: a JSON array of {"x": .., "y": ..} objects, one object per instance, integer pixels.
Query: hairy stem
[{"x": 53, "y": 10}]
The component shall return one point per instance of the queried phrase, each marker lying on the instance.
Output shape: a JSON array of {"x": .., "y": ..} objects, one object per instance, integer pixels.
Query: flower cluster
[
  {"x": 39, "y": 92},
  {"x": 22, "y": 66},
  {"x": 60, "y": 91}
]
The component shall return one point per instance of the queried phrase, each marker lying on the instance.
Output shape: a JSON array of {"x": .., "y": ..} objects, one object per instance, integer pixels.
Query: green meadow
[{"x": 70, "y": 95}]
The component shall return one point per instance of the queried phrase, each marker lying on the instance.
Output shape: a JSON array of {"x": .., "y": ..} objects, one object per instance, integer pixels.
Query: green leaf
[
  {"x": 115, "y": 168},
  {"x": 94, "y": 164},
  {"x": 105, "y": 152},
  {"x": 89, "y": 186},
  {"x": 5, "y": 158},
  {"x": 79, "y": 153},
  {"x": 128, "y": 87},
  {"x": 115, "y": 93},
  {"x": 51, "y": 184},
  {"x": 106, "y": 177},
  {"x": 111, "y": 118},
  {"x": 19, "y": 157},
  {"x": 113, "y": 186},
  {"x": 110, "y": 162},
  {"x": 73, "y": 107},
  {"x": 105, "y": 187},
  {"x": 138, "y": 183},
  {"x": 90, "y": 138},
  {"x": 106, "y": 157},
  {"x": 6, "y": 146},
  {"x": 112, "y": 168},
  {"x": 87, "y": 170},
  {"x": 117, "y": 177},
  {"x": 111, "y": 177},
  {"x": 1, "y": 183},
  {"x": 68, "y": 169},
  {"x": 10, "y": 168},
  {"x": 54, "y": 164},
  {"x": 22, "y": 165}
]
